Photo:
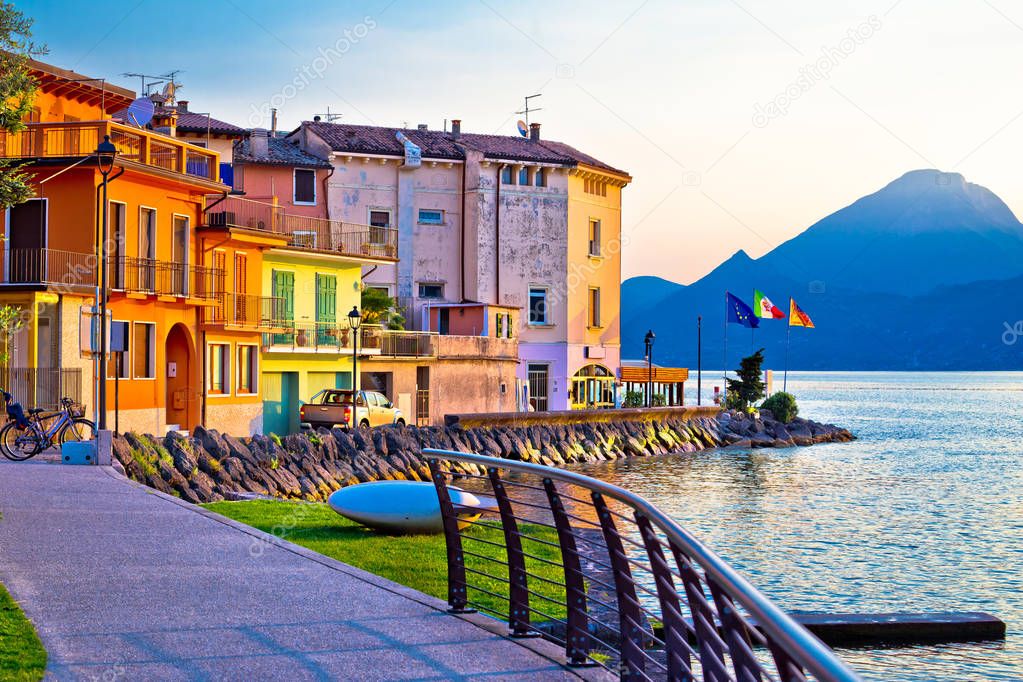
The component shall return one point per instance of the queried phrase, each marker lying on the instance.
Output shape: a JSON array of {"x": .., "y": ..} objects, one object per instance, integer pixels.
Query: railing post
[
  {"x": 711, "y": 648},
  {"x": 577, "y": 639},
  {"x": 630, "y": 616},
  {"x": 736, "y": 636},
  {"x": 458, "y": 598},
  {"x": 675, "y": 632},
  {"x": 518, "y": 585}
]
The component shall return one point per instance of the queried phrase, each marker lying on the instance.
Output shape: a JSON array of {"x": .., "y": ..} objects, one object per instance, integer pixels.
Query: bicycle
[{"x": 24, "y": 437}]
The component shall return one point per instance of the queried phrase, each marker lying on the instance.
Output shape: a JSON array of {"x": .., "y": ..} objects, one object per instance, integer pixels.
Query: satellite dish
[
  {"x": 523, "y": 130},
  {"x": 140, "y": 112},
  {"x": 169, "y": 90}
]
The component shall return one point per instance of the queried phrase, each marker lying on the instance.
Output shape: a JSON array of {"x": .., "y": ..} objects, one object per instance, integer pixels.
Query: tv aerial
[
  {"x": 168, "y": 80},
  {"x": 526, "y": 111},
  {"x": 330, "y": 117}
]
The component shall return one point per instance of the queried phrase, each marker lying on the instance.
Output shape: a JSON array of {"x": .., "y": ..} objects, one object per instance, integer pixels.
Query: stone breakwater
[{"x": 209, "y": 466}]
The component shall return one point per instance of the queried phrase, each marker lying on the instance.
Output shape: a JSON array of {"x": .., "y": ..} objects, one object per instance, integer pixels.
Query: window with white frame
[
  {"x": 431, "y": 216},
  {"x": 379, "y": 221},
  {"x": 220, "y": 369},
  {"x": 538, "y": 306},
  {"x": 144, "y": 343},
  {"x": 305, "y": 186},
  {"x": 247, "y": 371}
]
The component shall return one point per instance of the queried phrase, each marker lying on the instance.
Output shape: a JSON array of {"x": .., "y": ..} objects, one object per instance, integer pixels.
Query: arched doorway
[
  {"x": 593, "y": 387},
  {"x": 182, "y": 398}
]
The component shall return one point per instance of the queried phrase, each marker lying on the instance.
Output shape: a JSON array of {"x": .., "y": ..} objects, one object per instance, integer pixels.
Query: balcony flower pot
[
  {"x": 301, "y": 340},
  {"x": 389, "y": 250}
]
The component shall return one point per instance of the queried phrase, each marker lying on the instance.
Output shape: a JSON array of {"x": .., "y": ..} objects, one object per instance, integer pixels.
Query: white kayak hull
[{"x": 400, "y": 506}]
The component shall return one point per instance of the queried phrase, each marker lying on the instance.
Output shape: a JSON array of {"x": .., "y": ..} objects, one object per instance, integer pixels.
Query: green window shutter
[
  {"x": 284, "y": 287},
  {"x": 326, "y": 298}
]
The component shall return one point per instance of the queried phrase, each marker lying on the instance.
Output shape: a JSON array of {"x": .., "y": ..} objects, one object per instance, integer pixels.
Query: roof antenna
[
  {"x": 329, "y": 117},
  {"x": 526, "y": 109}
]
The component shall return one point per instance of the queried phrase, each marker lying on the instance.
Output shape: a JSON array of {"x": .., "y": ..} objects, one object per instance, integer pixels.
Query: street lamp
[
  {"x": 649, "y": 341},
  {"x": 699, "y": 358},
  {"x": 354, "y": 321},
  {"x": 106, "y": 153}
]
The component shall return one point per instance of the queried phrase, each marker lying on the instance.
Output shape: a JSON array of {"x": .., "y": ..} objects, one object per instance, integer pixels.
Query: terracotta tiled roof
[
  {"x": 190, "y": 122},
  {"x": 436, "y": 144},
  {"x": 281, "y": 152}
]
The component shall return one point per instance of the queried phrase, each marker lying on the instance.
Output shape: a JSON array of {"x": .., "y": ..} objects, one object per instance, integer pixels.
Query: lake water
[{"x": 923, "y": 513}]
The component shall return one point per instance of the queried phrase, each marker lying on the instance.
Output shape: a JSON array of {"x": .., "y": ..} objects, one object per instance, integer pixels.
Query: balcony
[
  {"x": 163, "y": 278},
  {"x": 303, "y": 232},
  {"x": 78, "y": 139},
  {"x": 50, "y": 267},
  {"x": 337, "y": 338},
  {"x": 247, "y": 311}
]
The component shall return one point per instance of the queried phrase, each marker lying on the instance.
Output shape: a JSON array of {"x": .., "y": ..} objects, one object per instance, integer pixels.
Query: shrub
[
  {"x": 783, "y": 406},
  {"x": 659, "y": 400},
  {"x": 633, "y": 399}
]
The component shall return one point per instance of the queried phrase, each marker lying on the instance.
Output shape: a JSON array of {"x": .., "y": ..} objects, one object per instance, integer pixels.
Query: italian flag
[
  {"x": 762, "y": 306},
  {"x": 797, "y": 318}
]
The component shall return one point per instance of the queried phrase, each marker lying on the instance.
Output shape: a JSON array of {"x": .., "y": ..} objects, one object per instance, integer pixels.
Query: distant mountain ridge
[{"x": 918, "y": 275}]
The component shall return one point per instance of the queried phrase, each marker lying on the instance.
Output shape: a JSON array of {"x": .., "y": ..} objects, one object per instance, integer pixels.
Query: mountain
[{"x": 923, "y": 274}]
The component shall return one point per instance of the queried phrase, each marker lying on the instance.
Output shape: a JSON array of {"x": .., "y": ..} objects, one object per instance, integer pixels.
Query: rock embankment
[{"x": 209, "y": 466}]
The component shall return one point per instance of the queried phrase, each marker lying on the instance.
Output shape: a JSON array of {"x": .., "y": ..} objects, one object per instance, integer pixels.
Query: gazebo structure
[{"x": 667, "y": 381}]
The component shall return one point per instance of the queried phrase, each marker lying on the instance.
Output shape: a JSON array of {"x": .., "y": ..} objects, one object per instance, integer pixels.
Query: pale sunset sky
[{"x": 742, "y": 123}]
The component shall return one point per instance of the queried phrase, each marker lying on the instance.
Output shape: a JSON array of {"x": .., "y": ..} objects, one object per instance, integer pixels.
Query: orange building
[{"x": 186, "y": 357}]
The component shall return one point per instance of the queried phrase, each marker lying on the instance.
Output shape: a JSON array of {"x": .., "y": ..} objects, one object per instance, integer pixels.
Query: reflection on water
[{"x": 922, "y": 513}]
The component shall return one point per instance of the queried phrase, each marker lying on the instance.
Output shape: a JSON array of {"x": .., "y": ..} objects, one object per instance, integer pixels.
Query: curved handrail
[{"x": 799, "y": 643}]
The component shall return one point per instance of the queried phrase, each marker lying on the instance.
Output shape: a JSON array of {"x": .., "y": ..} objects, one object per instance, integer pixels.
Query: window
[
  {"x": 500, "y": 325},
  {"x": 429, "y": 290},
  {"x": 506, "y": 175},
  {"x": 118, "y": 364},
  {"x": 594, "y": 320},
  {"x": 504, "y": 326},
  {"x": 247, "y": 369},
  {"x": 220, "y": 369},
  {"x": 595, "y": 187},
  {"x": 305, "y": 186},
  {"x": 141, "y": 275},
  {"x": 594, "y": 237},
  {"x": 539, "y": 178},
  {"x": 429, "y": 216},
  {"x": 144, "y": 340},
  {"x": 220, "y": 272},
  {"x": 524, "y": 176},
  {"x": 379, "y": 220},
  {"x": 538, "y": 305},
  {"x": 147, "y": 233}
]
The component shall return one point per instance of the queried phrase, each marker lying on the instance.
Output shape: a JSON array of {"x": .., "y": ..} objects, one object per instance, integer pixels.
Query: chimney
[
  {"x": 259, "y": 145},
  {"x": 183, "y": 106},
  {"x": 273, "y": 122},
  {"x": 456, "y": 128},
  {"x": 423, "y": 126},
  {"x": 534, "y": 132}
]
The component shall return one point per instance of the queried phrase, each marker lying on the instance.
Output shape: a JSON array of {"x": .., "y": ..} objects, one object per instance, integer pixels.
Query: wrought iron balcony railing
[
  {"x": 247, "y": 310},
  {"x": 398, "y": 344},
  {"x": 638, "y": 593},
  {"x": 51, "y": 267},
  {"x": 304, "y": 232},
  {"x": 80, "y": 138},
  {"x": 309, "y": 338},
  {"x": 164, "y": 278}
]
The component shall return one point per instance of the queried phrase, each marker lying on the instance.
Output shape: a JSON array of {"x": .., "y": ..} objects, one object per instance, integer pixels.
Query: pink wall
[{"x": 262, "y": 183}]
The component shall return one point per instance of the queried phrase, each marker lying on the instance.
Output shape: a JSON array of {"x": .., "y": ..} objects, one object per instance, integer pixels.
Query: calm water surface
[{"x": 922, "y": 513}]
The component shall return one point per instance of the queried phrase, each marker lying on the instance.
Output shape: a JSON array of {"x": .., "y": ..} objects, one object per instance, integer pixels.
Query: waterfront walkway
[{"x": 126, "y": 583}]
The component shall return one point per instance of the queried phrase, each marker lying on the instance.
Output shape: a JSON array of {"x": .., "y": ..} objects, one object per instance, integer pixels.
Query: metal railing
[
  {"x": 80, "y": 138},
  {"x": 50, "y": 266},
  {"x": 164, "y": 278},
  {"x": 636, "y": 593},
  {"x": 35, "y": 387},
  {"x": 247, "y": 310},
  {"x": 398, "y": 344},
  {"x": 304, "y": 232},
  {"x": 324, "y": 338}
]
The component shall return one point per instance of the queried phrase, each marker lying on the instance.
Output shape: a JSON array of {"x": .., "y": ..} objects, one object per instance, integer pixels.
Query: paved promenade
[{"x": 124, "y": 583}]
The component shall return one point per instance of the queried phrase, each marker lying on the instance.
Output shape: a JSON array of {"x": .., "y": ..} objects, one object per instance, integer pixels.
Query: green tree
[
  {"x": 10, "y": 322},
  {"x": 380, "y": 308},
  {"x": 748, "y": 388},
  {"x": 17, "y": 93}
]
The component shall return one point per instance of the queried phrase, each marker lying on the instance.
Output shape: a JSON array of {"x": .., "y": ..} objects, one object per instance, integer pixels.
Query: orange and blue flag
[
  {"x": 797, "y": 318},
  {"x": 740, "y": 313}
]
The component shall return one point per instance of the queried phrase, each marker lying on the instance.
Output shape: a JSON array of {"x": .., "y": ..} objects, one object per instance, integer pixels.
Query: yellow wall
[{"x": 585, "y": 271}]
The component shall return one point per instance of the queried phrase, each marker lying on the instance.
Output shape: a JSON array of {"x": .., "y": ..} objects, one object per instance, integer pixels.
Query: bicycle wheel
[
  {"x": 79, "y": 429},
  {"x": 19, "y": 443}
]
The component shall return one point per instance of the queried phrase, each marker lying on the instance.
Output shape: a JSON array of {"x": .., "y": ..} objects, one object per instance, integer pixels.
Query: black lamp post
[
  {"x": 699, "y": 358},
  {"x": 649, "y": 341},
  {"x": 354, "y": 321},
  {"x": 106, "y": 153}
]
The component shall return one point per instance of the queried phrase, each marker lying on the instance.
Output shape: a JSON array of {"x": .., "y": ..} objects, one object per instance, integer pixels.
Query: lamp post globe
[
  {"x": 648, "y": 340},
  {"x": 106, "y": 153}
]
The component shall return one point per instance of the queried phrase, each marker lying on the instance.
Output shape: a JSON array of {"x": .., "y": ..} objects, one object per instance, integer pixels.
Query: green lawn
[
  {"x": 22, "y": 656},
  {"x": 417, "y": 561}
]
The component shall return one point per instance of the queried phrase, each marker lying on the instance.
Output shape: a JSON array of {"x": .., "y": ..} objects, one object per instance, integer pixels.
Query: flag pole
[
  {"x": 724, "y": 362},
  {"x": 785, "y": 380}
]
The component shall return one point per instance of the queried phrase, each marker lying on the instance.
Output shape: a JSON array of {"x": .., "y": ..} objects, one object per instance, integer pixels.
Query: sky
[{"x": 741, "y": 122}]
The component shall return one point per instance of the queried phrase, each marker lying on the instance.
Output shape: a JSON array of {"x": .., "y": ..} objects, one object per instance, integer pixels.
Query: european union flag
[{"x": 740, "y": 313}]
